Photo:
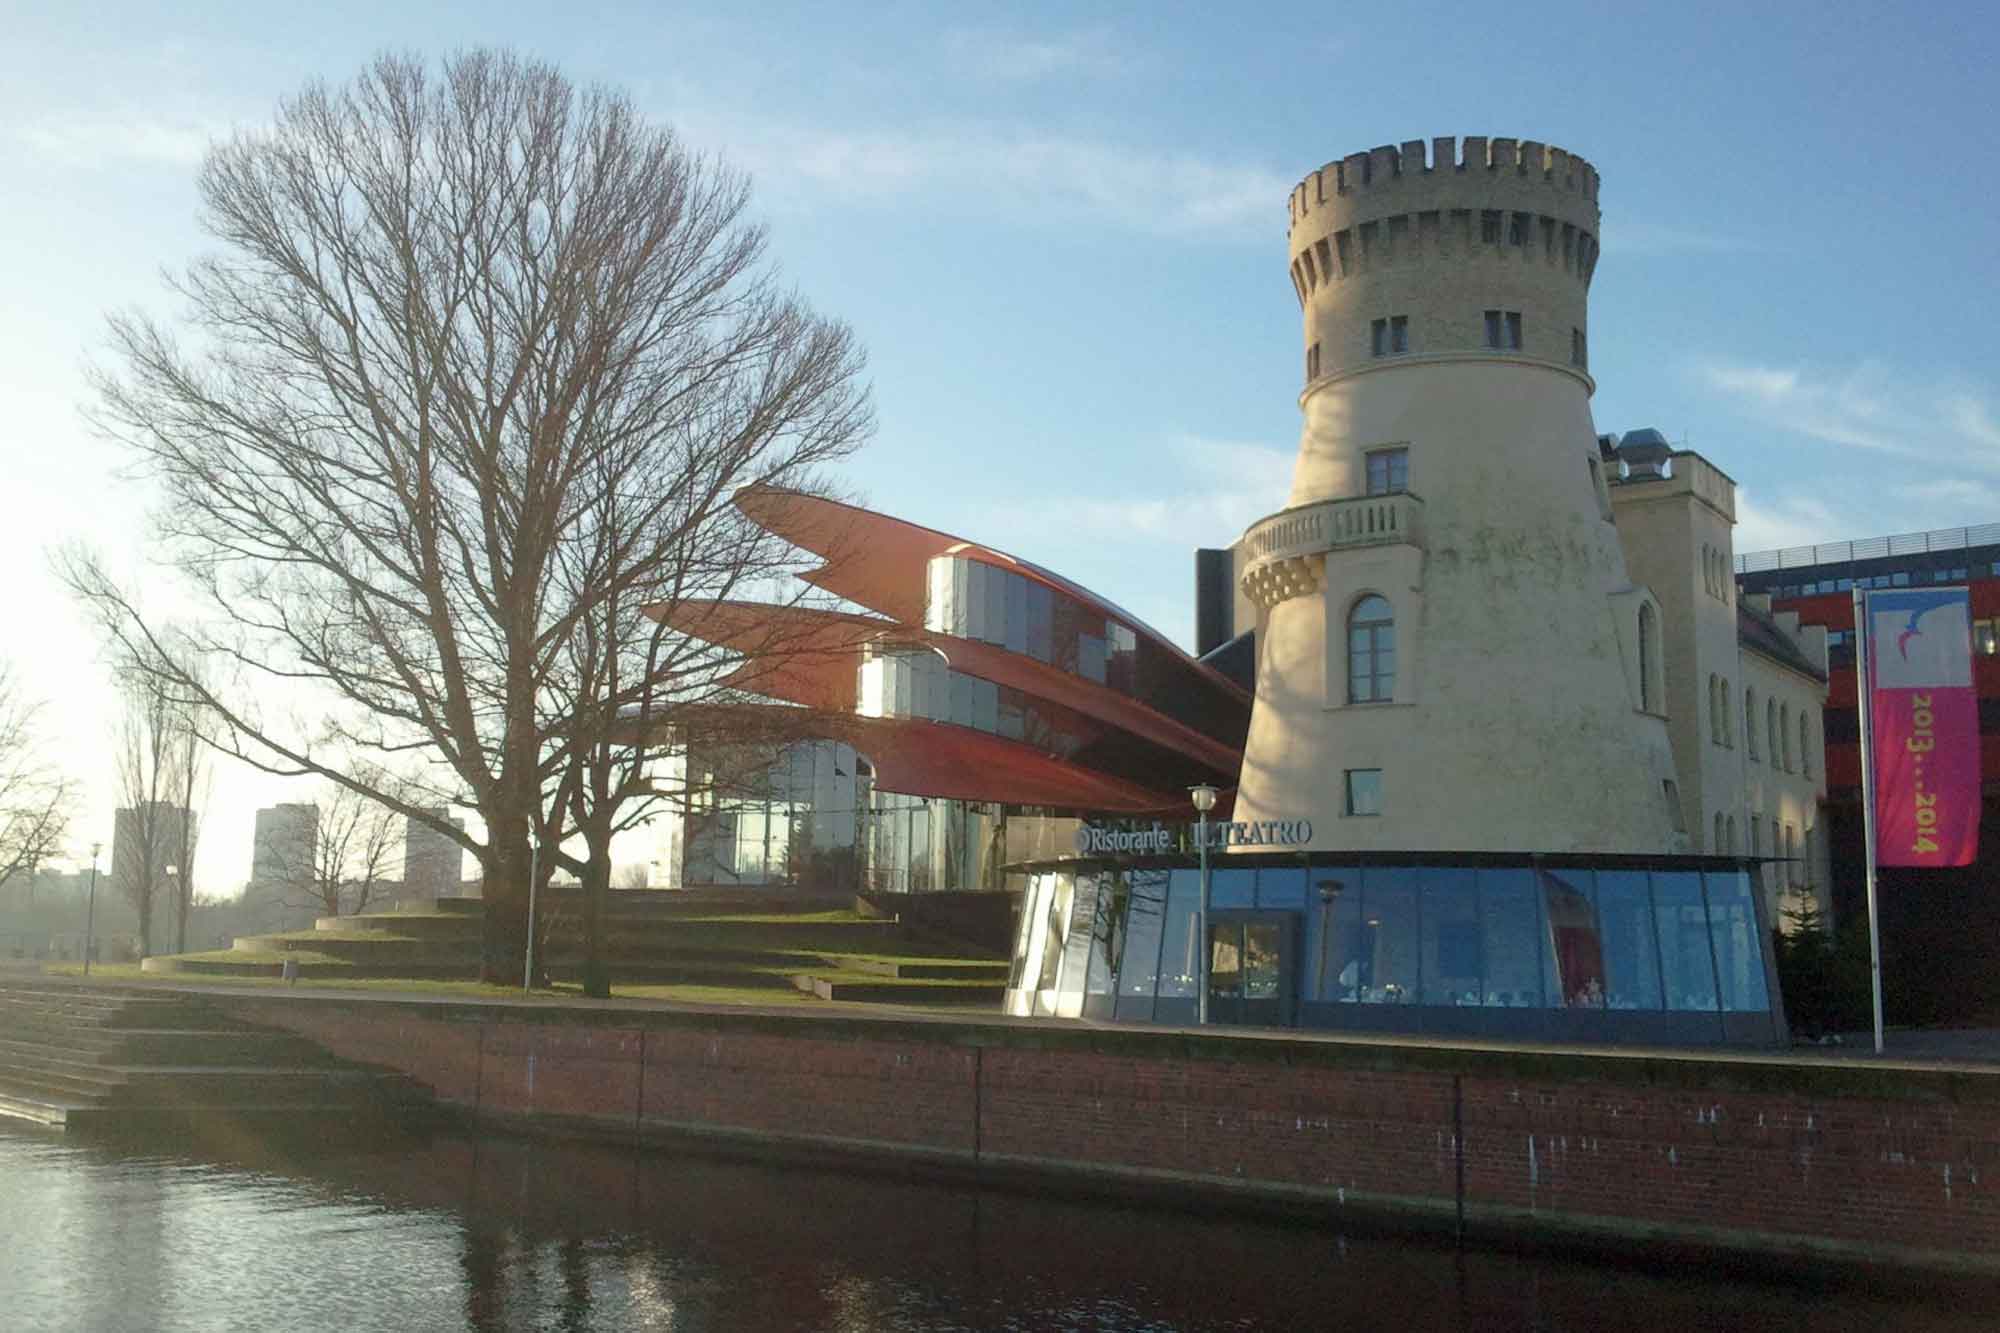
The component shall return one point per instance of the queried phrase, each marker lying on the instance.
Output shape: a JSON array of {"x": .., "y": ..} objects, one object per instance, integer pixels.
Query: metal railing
[{"x": 1869, "y": 548}]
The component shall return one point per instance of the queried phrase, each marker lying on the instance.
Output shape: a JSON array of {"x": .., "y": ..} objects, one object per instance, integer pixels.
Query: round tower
[{"x": 1450, "y": 653}]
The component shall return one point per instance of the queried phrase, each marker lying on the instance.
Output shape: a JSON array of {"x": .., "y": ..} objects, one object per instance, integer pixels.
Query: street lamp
[
  {"x": 1203, "y": 797},
  {"x": 534, "y": 875},
  {"x": 90, "y": 912}
]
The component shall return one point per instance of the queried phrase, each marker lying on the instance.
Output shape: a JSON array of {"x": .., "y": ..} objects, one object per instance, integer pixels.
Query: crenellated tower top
[{"x": 1480, "y": 246}]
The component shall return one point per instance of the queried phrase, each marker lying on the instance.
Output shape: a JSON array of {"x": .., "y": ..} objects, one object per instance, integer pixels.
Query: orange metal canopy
[
  {"x": 882, "y": 562},
  {"x": 809, "y": 656}
]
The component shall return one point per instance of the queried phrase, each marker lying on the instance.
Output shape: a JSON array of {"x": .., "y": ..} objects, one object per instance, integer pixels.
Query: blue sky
[{"x": 1059, "y": 231}]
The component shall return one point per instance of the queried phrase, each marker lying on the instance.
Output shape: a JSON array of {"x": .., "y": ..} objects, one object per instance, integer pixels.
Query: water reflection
[{"x": 502, "y": 1235}]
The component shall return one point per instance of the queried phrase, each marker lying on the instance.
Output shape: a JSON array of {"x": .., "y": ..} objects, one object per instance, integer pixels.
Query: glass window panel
[
  {"x": 1389, "y": 935},
  {"x": 1263, "y": 956},
  {"x": 1576, "y": 953},
  {"x": 985, "y": 705},
  {"x": 1041, "y": 622},
  {"x": 1364, "y": 791},
  {"x": 1739, "y": 953},
  {"x": 1090, "y": 657},
  {"x": 1145, "y": 915},
  {"x": 976, "y": 598},
  {"x": 1231, "y": 888},
  {"x": 1282, "y": 887},
  {"x": 1114, "y": 900},
  {"x": 1077, "y": 942},
  {"x": 1225, "y": 960},
  {"x": 1028, "y": 936},
  {"x": 1511, "y": 925},
  {"x": 1332, "y": 921},
  {"x": 960, "y": 582},
  {"x": 1454, "y": 963},
  {"x": 937, "y": 604},
  {"x": 1625, "y": 923},
  {"x": 1017, "y": 613},
  {"x": 1177, "y": 934},
  {"x": 1687, "y": 969}
]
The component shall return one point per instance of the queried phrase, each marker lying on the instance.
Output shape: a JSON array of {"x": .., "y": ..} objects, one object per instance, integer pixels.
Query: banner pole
[{"x": 1863, "y": 703}]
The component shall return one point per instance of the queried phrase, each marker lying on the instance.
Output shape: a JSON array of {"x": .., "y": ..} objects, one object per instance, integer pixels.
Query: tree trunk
[
  {"x": 183, "y": 895},
  {"x": 596, "y": 895},
  {"x": 145, "y": 906},
  {"x": 504, "y": 939}
]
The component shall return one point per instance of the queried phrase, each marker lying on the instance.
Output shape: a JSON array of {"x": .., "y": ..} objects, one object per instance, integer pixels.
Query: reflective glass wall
[{"x": 1670, "y": 954}]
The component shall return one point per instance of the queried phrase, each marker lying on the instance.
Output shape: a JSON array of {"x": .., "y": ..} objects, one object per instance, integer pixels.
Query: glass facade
[
  {"x": 973, "y": 599},
  {"x": 1548, "y": 948}
]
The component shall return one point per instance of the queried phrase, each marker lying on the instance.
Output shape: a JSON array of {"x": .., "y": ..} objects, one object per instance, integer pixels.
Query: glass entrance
[{"x": 1250, "y": 956}]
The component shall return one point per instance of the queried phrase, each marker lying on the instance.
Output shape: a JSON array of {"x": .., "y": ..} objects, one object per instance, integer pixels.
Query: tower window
[
  {"x": 1389, "y": 337},
  {"x": 1371, "y": 652},
  {"x": 1489, "y": 226},
  {"x": 1364, "y": 791},
  {"x": 1388, "y": 471},
  {"x": 1579, "y": 349},
  {"x": 1312, "y": 362},
  {"x": 1503, "y": 329},
  {"x": 1517, "y": 229}
]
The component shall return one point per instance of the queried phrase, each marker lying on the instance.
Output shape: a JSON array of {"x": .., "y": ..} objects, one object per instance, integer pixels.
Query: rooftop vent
[{"x": 1646, "y": 454}]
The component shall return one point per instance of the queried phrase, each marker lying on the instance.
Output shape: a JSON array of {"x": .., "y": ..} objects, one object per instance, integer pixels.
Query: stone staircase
[{"x": 76, "y": 1055}]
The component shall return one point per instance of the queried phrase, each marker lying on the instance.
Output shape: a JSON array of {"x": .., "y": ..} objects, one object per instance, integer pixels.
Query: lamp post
[
  {"x": 534, "y": 876},
  {"x": 90, "y": 912},
  {"x": 173, "y": 888},
  {"x": 1203, "y": 797}
]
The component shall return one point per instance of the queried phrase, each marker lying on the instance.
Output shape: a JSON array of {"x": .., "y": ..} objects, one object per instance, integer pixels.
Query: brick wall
[{"x": 1872, "y": 1161}]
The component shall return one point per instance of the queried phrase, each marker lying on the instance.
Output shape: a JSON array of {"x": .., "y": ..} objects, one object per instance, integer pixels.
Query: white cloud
[
  {"x": 1007, "y": 56},
  {"x": 1869, "y": 407},
  {"x": 995, "y": 169},
  {"x": 1790, "y": 520},
  {"x": 103, "y": 142},
  {"x": 1207, "y": 494}
]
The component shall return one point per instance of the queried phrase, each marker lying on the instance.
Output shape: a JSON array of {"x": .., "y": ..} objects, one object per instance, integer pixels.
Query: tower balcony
[{"x": 1287, "y": 550}]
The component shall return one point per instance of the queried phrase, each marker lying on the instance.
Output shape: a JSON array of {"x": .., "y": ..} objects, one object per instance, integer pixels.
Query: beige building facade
[{"x": 1479, "y": 626}]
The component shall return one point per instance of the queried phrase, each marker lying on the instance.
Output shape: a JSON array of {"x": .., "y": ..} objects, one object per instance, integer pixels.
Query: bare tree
[
  {"x": 338, "y": 860},
  {"x": 158, "y": 758},
  {"x": 465, "y": 327},
  {"x": 35, "y": 796}
]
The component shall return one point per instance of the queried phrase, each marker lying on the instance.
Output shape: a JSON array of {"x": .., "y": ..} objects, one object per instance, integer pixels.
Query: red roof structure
[{"x": 1133, "y": 755}]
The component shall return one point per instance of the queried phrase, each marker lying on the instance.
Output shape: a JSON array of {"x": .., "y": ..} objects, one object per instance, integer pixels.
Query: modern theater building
[{"x": 1498, "y": 747}]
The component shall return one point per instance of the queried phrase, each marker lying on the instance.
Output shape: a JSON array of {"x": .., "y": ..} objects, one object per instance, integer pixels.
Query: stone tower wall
[{"x": 1503, "y": 225}]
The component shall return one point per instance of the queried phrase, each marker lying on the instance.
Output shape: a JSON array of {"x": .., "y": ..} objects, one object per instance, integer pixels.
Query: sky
[{"x": 1059, "y": 232}]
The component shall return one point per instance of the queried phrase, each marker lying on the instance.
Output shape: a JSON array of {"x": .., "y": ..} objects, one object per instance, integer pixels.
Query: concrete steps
[{"x": 72, "y": 1054}]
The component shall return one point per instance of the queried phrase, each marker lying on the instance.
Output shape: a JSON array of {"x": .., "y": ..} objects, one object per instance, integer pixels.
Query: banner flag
[{"x": 1923, "y": 720}]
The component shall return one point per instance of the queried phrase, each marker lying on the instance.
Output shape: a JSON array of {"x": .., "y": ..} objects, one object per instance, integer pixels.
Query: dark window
[
  {"x": 1364, "y": 791},
  {"x": 1371, "y": 655},
  {"x": 1517, "y": 229},
  {"x": 1312, "y": 362},
  {"x": 1399, "y": 334},
  {"x": 1503, "y": 329},
  {"x": 1514, "y": 329},
  {"x": 1579, "y": 351},
  {"x": 1388, "y": 471},
  {"x": 1489, "y": 226},
  {"x": 1493, "y": 328}
]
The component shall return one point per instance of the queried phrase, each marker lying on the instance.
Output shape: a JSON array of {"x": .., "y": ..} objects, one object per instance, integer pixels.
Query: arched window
[
  {"x": 1785, "y": 733},
  {"x": 1750, "y": 721},
  {"x": 1371, "y": 651},
  {"x": 1771, "y": 726},
  {"x": 1805, "y": 743},
  {"x": 1707, "y": 569},
  {"x": 1649, "y": 649},
  {"x": 1717, "y": 847},
  {"x": 1715, "y": 709},
  {"x": 1727, "y": 715}
]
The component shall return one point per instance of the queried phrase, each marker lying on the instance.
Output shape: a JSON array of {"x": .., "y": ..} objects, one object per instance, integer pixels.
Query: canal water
[{"x": 497, "y": 1234}]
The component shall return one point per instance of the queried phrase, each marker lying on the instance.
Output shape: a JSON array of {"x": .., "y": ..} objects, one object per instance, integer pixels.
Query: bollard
[{"x": 289, "y": 970}]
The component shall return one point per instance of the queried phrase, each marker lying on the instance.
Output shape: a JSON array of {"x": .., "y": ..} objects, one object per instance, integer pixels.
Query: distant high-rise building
[
  {"x": 287, "y": 841},
  {"x": 431, "y": 859}
]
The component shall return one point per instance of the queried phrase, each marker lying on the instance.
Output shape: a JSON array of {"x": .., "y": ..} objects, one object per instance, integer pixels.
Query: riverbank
[{"x": 1880, "y": 1162}]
